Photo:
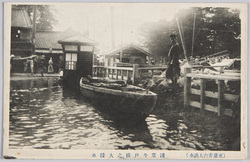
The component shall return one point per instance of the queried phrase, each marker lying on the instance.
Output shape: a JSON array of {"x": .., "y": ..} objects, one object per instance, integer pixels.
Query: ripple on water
[
  {"x": 53, "y": 118},
  {"x": 29, "y": 137}
]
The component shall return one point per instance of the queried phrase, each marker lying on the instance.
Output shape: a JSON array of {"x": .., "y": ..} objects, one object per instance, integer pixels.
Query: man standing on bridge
[{"x": 173, "y": 70}]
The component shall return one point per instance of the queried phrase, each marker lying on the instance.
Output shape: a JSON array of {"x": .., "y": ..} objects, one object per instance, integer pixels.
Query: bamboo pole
[{"x": 182, "y": 41}]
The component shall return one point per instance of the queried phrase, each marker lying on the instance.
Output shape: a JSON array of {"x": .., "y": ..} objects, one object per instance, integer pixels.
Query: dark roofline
[
  {"x": 128, "y": 46},
  {"x": 66, "y": 41}
]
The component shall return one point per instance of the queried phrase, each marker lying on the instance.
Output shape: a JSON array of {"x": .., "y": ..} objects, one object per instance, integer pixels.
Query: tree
[
  {"x": 216, "y": 29},
  {"x": 44, "y": 16},
  {"x": 156, "y": 38}
]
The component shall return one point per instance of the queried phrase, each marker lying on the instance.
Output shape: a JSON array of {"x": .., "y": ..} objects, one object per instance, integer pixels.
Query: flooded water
[{"x": 43, "y": 115}]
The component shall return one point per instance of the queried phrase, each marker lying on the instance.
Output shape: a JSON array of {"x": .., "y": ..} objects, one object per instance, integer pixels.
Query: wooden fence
[
  {"x": 133, "y": 74},
  {"x": 203, "y": 93}
]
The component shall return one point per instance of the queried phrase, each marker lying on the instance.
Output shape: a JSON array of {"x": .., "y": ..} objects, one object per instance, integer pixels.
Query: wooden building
[
  {"x": 21, "y": 33},
  {"x": 47, "y": 46},
  {"x": 21, "y": 39},
  {"x": 78, "y": 58},
  {"x": 127, "y": 56}
]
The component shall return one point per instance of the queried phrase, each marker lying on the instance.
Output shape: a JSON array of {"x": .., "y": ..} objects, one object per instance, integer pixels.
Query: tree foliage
[
  {"x": 45, "y": 18},
  {"x": 216, "y": 29}
]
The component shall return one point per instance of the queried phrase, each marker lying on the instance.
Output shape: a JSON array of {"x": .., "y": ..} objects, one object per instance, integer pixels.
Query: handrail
[{"x": 113, "y": 67}]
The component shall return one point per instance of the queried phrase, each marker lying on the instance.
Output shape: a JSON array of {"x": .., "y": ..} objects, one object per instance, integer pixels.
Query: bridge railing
[{"x": 132, "y": 74}]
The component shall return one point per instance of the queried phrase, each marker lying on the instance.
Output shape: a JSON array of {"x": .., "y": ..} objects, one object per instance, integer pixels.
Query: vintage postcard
[{"x": 125, "y": 81}]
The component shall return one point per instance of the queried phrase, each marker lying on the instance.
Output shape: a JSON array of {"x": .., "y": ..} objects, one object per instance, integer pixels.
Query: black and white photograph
[{"x": 125, "y": 81}]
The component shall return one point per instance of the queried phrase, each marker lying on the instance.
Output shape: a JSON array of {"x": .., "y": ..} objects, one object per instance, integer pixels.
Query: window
[
  {"x": 70, "y": 48},
  {"x": 70, "y": 61},
  {"x": 86, "y": 48}
]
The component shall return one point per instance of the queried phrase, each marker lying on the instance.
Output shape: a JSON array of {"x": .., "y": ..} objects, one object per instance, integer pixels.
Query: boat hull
[{"x": 120, "y": 103}]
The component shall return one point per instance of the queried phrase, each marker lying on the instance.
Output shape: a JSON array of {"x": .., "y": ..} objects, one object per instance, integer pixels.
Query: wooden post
[
  {"x": 97, "y": 71},
  {"x": 135, "y": 73},
  {"x": 102, "y": 72},
  {"x": 117, "y": 74},
  {"x": 220, "y": 94},
  {"x": 202, "y": 94},
  {"x": 112, "y": 74},
  {"x": 127, "y": 75},
  {"x": 187, "y": 85},
  {"x": 121, "y": 74},
  {"x": 107, "y": 72}
]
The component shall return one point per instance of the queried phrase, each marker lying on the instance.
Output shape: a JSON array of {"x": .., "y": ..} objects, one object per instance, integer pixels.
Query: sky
[{"x": 97, "y": 19}]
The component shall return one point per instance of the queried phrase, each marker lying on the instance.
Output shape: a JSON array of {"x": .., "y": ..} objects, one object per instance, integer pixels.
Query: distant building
[
  {"x": 21, "y": 40},
  {"x": 21, "y": 33},
  {"x": 127, "y": 55}
]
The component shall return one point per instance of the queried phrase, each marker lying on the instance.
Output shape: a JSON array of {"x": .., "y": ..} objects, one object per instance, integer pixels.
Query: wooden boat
[{"x": 119, "y": 98}]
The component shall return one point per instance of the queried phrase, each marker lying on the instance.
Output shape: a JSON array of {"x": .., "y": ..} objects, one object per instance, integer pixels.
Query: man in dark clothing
[{"x": 173, "y": 71}]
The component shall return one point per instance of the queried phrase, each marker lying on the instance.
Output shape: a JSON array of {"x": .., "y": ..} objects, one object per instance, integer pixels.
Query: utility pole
[
  {"x": 34, "y": 29},
  {"x": 112, "y": 27}
]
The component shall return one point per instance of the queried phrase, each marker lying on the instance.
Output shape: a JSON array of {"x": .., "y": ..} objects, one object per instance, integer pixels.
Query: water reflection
[{"x": 43, "y": 115}]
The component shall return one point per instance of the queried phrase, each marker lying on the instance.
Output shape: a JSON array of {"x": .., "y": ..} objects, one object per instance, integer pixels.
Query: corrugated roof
[
  {"x": 78, "y": 40},
  {"x": 49, "y": 39},
  {"x": 20, "y": 18}
]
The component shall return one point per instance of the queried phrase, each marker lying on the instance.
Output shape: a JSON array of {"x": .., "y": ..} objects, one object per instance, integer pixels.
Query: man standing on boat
[{"x": 173, "y": 69}]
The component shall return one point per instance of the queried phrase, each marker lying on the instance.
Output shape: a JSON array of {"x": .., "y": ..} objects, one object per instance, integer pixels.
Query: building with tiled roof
[
  {"x": 47, "y": 41},
  {"x": 47, "y": 46}
]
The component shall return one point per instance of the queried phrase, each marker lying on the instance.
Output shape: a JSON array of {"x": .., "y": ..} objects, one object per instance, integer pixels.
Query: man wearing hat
[{"x": 173, "y": 71}]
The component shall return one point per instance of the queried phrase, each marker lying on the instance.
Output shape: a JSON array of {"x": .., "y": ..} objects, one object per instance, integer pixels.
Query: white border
[{"x": 83, "y": 154}]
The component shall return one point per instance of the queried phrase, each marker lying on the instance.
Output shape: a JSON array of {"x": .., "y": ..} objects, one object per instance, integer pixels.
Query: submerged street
[{"x": 44, "y": 115}]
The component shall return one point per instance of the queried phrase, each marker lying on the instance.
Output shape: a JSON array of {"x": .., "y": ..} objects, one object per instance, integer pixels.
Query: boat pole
[
  {"x": 182, "y": 42},
  {"x": 192, "y": 52}
]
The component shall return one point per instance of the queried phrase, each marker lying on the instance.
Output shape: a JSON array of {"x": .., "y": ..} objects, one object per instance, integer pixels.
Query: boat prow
[{"x": 119, "y": 98}]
